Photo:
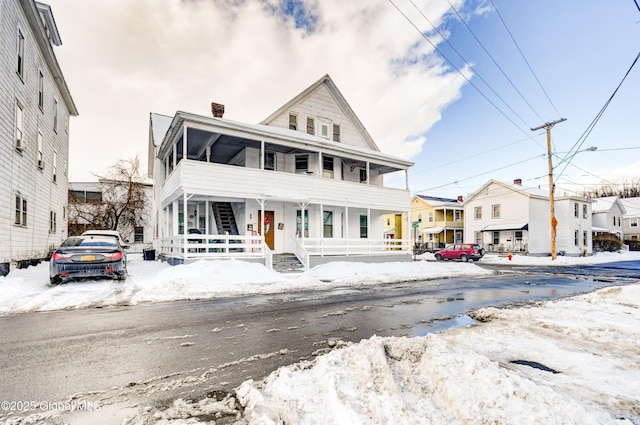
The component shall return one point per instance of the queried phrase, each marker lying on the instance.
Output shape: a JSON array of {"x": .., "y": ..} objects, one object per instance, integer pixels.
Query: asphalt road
[{"x": 154, "y": 353}]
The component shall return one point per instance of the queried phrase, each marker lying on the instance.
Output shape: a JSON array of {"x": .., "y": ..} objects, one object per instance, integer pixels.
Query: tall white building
[{"x": 35, "y": 106}]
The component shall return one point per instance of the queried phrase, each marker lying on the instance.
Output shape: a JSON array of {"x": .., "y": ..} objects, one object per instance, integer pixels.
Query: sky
[
  {"x": 464, "y": 375},
  {"x": 432, "y": 96}
]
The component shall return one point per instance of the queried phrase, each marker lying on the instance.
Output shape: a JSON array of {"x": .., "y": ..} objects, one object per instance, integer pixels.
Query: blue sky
[
  {"x": 579, "y": 51},
  {"x": 123, "y": 60}
]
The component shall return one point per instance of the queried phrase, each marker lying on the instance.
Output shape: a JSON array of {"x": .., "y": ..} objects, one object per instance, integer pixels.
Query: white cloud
[{"x": 123, "y": 60}]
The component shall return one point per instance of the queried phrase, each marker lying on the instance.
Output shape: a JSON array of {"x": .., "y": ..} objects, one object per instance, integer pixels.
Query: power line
[
  {"x": 494, "y": 61},
  {"x": 590, "y": 127},
  {"x": 478, "y": 175},
  {"x": 458, "y": 69},
  {"x": 467, "y": 63},
  {"x": 523, "y": 57}
]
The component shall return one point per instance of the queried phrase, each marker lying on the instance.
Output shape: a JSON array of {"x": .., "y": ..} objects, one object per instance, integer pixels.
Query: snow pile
[
  {"x": 575, "y": 363},
  {"x": 570, "y": 361},
  {"x": 28, "y": 289}
]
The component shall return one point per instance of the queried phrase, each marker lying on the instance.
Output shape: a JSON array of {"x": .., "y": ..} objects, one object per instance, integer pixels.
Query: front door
[{"x": 268, "y": 226}]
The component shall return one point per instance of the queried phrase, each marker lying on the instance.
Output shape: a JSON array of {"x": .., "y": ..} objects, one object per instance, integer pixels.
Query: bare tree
[
  {"x": 121, "y": 204},
  {"x": 622, "y": 188}
]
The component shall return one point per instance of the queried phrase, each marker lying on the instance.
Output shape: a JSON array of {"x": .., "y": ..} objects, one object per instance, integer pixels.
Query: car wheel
[
  {"x": 438, "y": 257},
  {"x": 475, "y": 259},
  {"x": 464, "y": 258},
  {"x": 482, "y": 251},
  {"x": 54, "y": 281}
]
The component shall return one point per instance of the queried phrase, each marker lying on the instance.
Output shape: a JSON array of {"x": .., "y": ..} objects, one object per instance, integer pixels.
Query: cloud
[{"x": 123, "y": 60}]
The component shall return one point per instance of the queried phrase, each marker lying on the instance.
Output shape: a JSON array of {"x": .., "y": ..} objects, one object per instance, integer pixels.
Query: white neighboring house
[
  {"x": 506, "y": 217},
  {"x": 631, "y": 219},
  {"x": 35, "y": 106},
  {"x": 607, "y": 216},
  {"x": 138, "y": 238},
  {"x": 308, "y": 180}
]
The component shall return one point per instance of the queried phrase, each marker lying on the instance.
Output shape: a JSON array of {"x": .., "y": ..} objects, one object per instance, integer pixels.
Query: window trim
[
  {"x": 336, "y": 133},
  {"x": 21, "y": 211},
  {"x": 364, "y": 229},
  {"x": 477, "y": 213},
  {"x": 40, "y": 150},
  {"x": 293, "y": 121},
  {"x": 20, "y": 54},
  {"x": 52, "y": 222},
  {"x": 495, "y": 211},
  {"x": 41, "y": 90},
  {"x": 19, "y": 127},
  {"x": 310, "y": 127}
]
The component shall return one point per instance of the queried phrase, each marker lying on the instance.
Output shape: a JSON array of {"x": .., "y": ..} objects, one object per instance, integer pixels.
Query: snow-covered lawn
[{"x": 28, "y": 289}]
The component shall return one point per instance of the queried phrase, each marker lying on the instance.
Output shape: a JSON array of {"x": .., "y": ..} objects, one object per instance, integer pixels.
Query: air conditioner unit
[
  {"x": 40, "y": 164},
  {"x": 19, "y": 145}
]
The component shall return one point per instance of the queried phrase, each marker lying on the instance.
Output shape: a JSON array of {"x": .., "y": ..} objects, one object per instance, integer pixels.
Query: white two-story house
[
  {"x": 308, "y": 180},
  {"x": 506, "y": 217},
  {"x": 607, "y": 216},
  {"x": 35, "y": 106},
  {"x": 631, "y": 219}
]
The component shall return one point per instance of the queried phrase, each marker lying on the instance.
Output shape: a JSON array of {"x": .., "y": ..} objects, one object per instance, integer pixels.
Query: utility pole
[{"x": 552, "y": 214}]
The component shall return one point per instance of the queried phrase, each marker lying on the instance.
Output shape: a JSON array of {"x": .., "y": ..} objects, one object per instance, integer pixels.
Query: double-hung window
[
  {"x": 364, "y": 229},
  {"x": 311, "y": 125},
  {"x": 495, "y": 211},
  {"x": 19, "y": 127},
  {"x": 52, "y": 221},
  {"x": 293, "y": 122},
  {"x": 477, "y": 213},
  {"x": 41, "y": 91},
  {"x": 21, "y": 211},
  {"x": 20, "y": 46},
  {"x": 302, "y": 163},
  {"x": 39, "y": 155}
]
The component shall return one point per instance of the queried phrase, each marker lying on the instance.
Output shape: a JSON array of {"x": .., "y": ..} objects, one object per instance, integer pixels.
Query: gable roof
[
  {"x": 435, "y": 201},
  {"x": 341, "y": 102},
  {"x": 605, "y": 204},
  {"x": 534, "y": 192}
]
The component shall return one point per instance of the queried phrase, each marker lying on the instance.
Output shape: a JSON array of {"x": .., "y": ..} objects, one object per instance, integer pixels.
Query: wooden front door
[{"x": 268, "y": 226}]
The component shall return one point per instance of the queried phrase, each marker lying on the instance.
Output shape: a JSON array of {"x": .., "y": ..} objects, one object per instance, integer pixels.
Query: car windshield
[{"x": 90, "y": 241}]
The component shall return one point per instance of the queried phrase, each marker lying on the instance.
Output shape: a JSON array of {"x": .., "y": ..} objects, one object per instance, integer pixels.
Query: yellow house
[
  {"x": 395, "y": 226},
  {"x": 436, "y": 222}
]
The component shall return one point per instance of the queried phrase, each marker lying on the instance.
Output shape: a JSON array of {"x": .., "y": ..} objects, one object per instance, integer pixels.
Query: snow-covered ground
[
  {"x": 28, "y": 289},
  {"x": 569, "y": 361}
]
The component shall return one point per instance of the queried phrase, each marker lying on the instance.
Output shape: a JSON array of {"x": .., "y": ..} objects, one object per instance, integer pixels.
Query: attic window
[
  {"x": 323, "y": 127},
  {"x": 293, "y": 122},
  {"x": 311, "y": 125},
  {"x": 336, "y": 133}
]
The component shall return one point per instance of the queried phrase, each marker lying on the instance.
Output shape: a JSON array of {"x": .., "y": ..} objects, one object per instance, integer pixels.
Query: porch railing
[
  {"x": 216, "y": 247},
  {"x": 324, "y": 247}
]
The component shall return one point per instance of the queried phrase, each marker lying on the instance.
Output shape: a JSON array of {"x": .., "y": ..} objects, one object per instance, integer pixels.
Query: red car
[{"x": 461, "y": 251}]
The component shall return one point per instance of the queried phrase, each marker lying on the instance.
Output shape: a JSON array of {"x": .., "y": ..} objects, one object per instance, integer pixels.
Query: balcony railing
[{"x": 334, "y": 247}]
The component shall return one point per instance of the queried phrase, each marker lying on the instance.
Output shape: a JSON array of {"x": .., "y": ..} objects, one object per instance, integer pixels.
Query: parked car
[
  {"x": 461, "y": 251},
  {"x": 111, "y": 233},
  {"x": 87, "y": 257}
]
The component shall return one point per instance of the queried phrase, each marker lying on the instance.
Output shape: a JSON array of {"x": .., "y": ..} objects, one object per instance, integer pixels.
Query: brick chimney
[
  {"x": 459, "y": 198},
  {"x": 217, "y": 109},
  {"x": 518, "y": 182}
]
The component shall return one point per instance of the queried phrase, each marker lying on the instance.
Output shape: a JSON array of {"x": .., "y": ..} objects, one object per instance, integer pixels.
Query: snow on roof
[
  {"x": 632, "y": 206},
  {"x": 604, "y": 204},
  {"x": 159, "y": 126}
]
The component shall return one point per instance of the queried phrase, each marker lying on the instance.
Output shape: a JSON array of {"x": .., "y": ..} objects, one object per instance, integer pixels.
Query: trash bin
[{"x": 149, "y": 254}]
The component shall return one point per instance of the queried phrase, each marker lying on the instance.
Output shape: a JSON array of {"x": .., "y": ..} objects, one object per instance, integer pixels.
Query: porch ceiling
[{"x": 497, "y": 227}]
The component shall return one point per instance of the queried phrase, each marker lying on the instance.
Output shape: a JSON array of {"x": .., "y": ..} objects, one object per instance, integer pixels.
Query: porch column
[
  {"x": 206, "y": 216},
  {"x": 368, "y": 171},
  {"x": 261, "y": 165},
  {"x": 184, "y": 146},
  {"x": 320, "y": 167},
  {"x": 303, "y": 207},
  {"x": 175, "y": 222},
  {"x": 346, "y": 221},
  {"x": 185, "y": 219}
]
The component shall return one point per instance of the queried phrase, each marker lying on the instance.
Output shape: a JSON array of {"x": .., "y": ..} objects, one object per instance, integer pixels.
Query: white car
[{"x": 113, "y": 233}]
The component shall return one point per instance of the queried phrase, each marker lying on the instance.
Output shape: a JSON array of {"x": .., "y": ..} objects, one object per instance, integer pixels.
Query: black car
[{"x": 87, "y": 257}]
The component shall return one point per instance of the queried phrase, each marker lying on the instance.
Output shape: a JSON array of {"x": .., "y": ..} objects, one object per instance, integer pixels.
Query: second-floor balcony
[{"x": 225, "y": 181}]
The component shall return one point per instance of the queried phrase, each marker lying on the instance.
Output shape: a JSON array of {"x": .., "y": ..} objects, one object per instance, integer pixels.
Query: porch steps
[
  {"x": 225, "y": 220},
  {"x": 287, "y": 263}
]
